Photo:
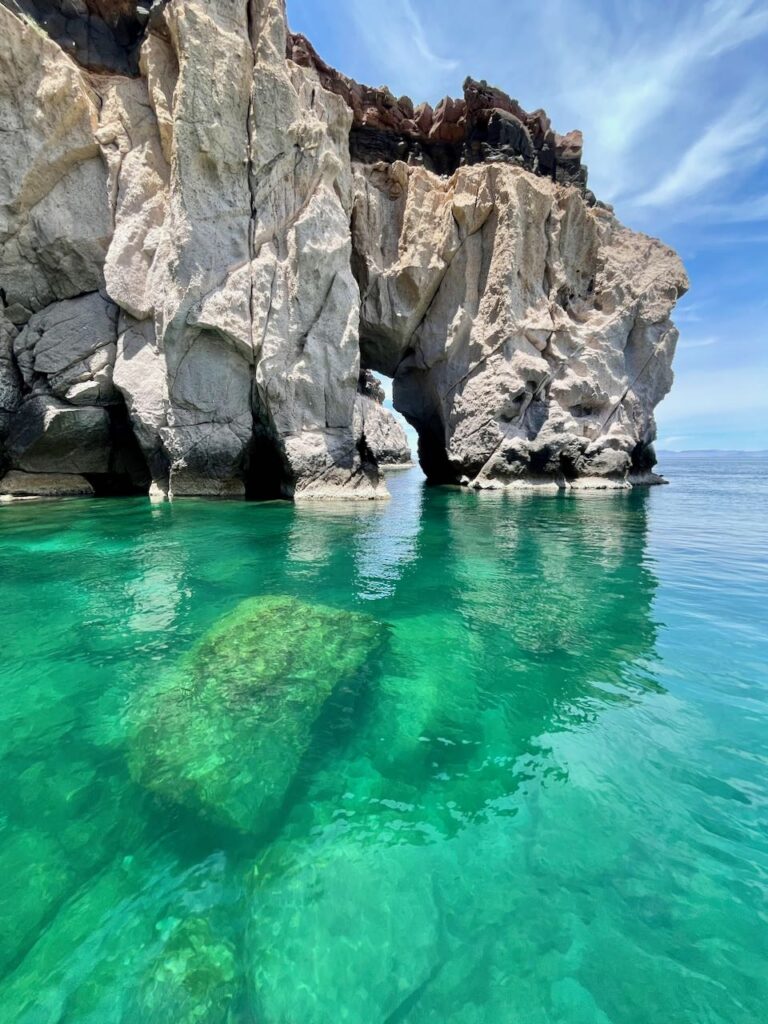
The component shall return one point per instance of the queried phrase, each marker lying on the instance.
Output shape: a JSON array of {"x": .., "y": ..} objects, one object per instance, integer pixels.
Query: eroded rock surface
[
  {"x": 485, "y": 125},
  {"x": 206, "y": 233},
  {"x": 528, "y": 334},
  {"x": 44, "y": 485}
]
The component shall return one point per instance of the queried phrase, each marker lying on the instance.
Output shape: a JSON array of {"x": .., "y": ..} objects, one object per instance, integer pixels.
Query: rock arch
[{"x": 260, "y": 229}]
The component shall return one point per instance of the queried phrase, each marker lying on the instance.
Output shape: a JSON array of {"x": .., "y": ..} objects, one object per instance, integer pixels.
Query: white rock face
[
  {"x": 384, "y": 437},
  {"x": 528, "y": 334},
  {"x": 191, "y": 264},
  {"x": 140, "y": 377},
  {"x": 55, "y": 223}
]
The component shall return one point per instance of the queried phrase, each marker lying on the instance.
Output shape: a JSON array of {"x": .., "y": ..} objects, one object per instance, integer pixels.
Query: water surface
[{"x": 550, "y": 804}]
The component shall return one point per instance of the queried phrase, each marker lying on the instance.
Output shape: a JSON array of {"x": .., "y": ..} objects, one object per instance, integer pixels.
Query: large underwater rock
[
  {"x": 226, "y": 733},
  {"x": 342, "y": 931},
  {"x": 259, "y": 228},
  {"x": 196, "y": 973}
]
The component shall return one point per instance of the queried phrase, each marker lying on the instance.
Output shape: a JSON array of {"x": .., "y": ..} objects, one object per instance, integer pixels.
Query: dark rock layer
[
  {"x": 485, "y": 126},
  {"x": 101, "y": 35}
]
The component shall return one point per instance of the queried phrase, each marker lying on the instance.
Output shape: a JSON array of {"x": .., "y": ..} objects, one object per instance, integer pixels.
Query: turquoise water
[{"x": 548, "y": 804}]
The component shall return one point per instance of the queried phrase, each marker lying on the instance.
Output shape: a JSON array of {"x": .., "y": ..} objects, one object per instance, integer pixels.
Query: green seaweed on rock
[
  {"x": 225, "y": 734},
  {"x": 195, "y": 973}
]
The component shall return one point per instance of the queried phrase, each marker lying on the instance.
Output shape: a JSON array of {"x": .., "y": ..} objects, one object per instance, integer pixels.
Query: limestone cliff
[{"x": 206, "y": 234}]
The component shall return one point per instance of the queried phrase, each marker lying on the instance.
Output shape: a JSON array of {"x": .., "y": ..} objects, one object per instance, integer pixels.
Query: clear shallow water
[{"x": 550, "y": 807}]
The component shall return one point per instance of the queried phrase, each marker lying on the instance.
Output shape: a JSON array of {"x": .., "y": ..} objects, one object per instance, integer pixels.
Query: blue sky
[{"x": 672, "y": 98}]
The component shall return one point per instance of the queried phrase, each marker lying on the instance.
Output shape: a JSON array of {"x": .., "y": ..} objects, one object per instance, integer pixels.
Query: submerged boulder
[
  {"x": 195, "y": 972},
  {"x": 345, "y": 930},
  {"x": 225, "y": 734}
]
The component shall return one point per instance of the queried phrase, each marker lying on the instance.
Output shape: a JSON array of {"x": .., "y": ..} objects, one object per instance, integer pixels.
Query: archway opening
[{"x": 388, "y": 439}]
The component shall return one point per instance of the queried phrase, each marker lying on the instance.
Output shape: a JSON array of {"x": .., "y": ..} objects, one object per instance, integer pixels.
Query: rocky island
[{"x": 210, "y": 239}]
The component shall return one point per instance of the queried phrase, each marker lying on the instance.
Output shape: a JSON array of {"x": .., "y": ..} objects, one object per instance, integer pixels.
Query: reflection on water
[{"x": 550, "y": 805}]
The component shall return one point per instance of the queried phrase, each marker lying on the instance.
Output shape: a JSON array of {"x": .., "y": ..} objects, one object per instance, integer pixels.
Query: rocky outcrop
[
  {"x": 44, "y": 485},
  {"x": 102, "y": 35},
  {"x": 49, "y": 436},
  {"x": 68, "y": 350},
  {"x": 528, "y": 334},
  {"x": 384, "y": 438},
  {"x": 206, "y": 233}
]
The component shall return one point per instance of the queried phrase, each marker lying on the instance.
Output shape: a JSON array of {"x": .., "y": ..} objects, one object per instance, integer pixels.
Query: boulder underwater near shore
[
  {"x": 225, "y": 734},
  {"x": 207, "y": 234}
]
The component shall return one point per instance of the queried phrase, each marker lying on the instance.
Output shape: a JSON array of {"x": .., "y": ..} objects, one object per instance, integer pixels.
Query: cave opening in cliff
[
  {"x": 128, "y": 474},
  {"x": 266, "y": 477}
]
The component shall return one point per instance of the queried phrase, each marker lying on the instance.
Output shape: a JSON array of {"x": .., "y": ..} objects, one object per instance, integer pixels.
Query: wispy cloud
[
  {"x": 693, "y": 311},
  {"x": 728, "y": 145},
  {"x": 671, "y": 444},
  {"x": 641, "y": 85},
  {"x": 422, "y": 43},
  {"x": 699, "y": 343},
  {"x": 741, "y": 211},
  {"x": 402, "y": 47}
]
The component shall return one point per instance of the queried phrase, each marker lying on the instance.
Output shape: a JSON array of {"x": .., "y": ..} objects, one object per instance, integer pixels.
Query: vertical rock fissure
[
  {"x": 266, "y": 472},
  {"x": 611, "y": 415},
  {"x": 249, "y": 128}
]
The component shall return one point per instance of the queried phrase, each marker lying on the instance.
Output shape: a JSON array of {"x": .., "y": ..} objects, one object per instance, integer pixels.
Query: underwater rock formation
[
  {"x": 226, "y": 734},
  {"x": 195, "y": 973},
  {"x": 206, "y": 233},
  {"x": 381, "y": 893}
]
